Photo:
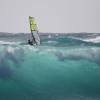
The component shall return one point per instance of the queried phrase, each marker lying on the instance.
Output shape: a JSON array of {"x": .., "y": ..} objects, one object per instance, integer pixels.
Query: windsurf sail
[{"x": 34, "y": 31}]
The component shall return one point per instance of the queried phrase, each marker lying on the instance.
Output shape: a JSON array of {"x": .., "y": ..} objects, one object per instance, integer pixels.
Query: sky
[{"x": 61, "y": 16}]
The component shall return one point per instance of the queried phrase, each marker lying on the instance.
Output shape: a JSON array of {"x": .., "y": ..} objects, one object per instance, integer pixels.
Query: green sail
[{"x": 33, "y": 25}]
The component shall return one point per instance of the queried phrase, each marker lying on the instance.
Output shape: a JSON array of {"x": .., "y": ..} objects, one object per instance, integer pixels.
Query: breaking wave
[{"x": 61, "y": 68}]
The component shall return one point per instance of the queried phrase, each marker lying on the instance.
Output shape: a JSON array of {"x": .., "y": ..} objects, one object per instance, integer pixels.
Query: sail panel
[{"x": 33, "y": 25}]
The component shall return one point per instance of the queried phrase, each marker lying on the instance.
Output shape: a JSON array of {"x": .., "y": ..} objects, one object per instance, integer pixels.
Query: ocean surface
[{"x": 63, "y": 67}]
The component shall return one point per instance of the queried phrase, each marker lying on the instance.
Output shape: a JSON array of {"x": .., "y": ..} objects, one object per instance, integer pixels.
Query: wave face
[{"x": 62, "y": 68}]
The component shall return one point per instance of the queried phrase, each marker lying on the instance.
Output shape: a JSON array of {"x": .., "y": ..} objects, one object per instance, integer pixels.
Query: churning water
[{"x": 61, "y": 68}]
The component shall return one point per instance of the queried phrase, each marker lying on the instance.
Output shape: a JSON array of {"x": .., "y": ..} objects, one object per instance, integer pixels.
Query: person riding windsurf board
[{"x": 35, "y": 39}]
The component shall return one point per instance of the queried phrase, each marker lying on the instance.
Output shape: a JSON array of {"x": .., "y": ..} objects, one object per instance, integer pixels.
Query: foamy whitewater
[{"x": 63, "y": 67}]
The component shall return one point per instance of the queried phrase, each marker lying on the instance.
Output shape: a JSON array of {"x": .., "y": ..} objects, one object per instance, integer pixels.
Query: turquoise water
[{"x": 60, "y": 69}]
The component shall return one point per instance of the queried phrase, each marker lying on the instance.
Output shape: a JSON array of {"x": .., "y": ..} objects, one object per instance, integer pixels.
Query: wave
[
  {"x": 94, "y": 40},
  {"x": 88, "y": 39},
  {"x": 9, "y": 43},
  {"x": 84, "y": 39},
  {"x": 61, "y": 68},
  {"x": 51, "y": 73},
  {"x": 68, "y": 41}
]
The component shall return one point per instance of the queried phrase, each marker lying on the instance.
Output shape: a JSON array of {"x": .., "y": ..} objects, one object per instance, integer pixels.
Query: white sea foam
[
  {"x": 94, "y": 40},
  {"x": 5, "y": 42}
]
